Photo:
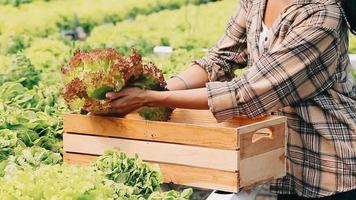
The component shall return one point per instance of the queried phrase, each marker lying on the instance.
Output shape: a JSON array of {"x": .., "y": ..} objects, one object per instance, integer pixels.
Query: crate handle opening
[{"x": 264, "y": 133}]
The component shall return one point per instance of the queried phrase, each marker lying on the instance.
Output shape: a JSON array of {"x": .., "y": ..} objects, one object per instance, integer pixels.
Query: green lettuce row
[
  {"x": 16, "y": 2},
  {"x": 8, "y": 143},
  {"x": 33, "y": 128},
  {"x": 24, "y": 86},
  {"x": 35, "y": 173},
  {"x": 184, "y": 28},
  {"x": 31, "y": 110},
  {"x": 22, "y": 71},
  {"x": 56, "y": 182},
  {"x": 29, "y": 157},
  {"x": 41, "y": 98},
  {"x": 48, "y": 18},
  {"x": 11, "y": 43},
  {"x": 48, "y": 54}
]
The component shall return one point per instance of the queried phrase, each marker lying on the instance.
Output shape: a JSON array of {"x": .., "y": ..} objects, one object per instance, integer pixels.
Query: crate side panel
[
  {"x": 180, "y": 133},
  {"x": 263, "y": 167},
  {"x": 254, "y": 143},
  {"x": 154, "y": 151}
]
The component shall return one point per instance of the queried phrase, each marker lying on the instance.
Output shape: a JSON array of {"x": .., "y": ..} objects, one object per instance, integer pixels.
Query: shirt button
[{"x": 266, "y": 39}]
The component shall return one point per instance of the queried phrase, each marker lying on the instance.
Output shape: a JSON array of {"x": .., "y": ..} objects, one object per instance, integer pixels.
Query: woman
[{"x": 295, "y": 52}]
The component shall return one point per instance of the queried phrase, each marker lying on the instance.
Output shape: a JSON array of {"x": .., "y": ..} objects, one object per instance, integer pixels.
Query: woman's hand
[
  {"x": 128, "y": 100},
  {"x": 131, "y": 99}
]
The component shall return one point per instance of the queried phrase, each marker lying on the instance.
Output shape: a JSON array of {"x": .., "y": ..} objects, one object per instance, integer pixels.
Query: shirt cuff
[
  {"x": 222, "y": 100},
  {"x": 234, "y": 98}
]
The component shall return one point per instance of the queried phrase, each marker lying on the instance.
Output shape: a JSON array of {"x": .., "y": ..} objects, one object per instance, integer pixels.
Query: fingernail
[{"x": 109, "y": 95}]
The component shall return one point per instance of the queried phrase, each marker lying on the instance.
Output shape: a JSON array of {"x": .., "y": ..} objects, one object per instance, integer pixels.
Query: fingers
[
  {"x": 126, "y": 100},
  {"x": 117, "y": 104},
  {"x": 121, "y": 109},
  {"x": 124, "y": 105},
  {"x": 122, "y": 93},
  {"x": 114, "y": 95}
]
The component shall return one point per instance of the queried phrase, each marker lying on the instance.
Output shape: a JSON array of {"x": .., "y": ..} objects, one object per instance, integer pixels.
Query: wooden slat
[
  {"x": 215, "y": 137},
  {"x": 248, "y": 148},
  {"x": 155, "y": 151},
  {"x": 206, "y": 118},
  {"x": 178, "y": 174},
  {"x": 78, "y": 159},
  {"x": 186, "y": 116},
  {"x": 266, "y": 122},
  {"x": 263, "y": 167},
  {"x": 200, "y": 177}
]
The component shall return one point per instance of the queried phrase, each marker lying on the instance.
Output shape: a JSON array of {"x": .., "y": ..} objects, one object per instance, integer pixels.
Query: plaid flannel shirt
[{"x": 303, "y": 74}]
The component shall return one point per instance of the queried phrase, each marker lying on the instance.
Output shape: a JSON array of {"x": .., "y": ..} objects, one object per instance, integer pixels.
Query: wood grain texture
[
  {"x": 180, "y": 133},
  {"x": 178, "y": 174},
  {"x": 263, "y": 167},
  {"x": 265, "y": 123},
  {"x": 155, "y": 151},
  {"x": 191, "y": 149},
  {"x": 206, "y": 118}
]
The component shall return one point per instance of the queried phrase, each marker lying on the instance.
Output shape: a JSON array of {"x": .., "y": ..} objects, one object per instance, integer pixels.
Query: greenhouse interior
[{"x": 177, "y": 99}]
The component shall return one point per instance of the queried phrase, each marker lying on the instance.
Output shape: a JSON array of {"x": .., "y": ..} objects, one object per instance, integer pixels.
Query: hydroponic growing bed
[{"x": 35, "y": 43}]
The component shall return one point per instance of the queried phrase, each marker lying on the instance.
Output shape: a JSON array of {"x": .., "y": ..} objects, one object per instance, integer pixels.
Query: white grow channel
[{"x": 260, "y": 192}]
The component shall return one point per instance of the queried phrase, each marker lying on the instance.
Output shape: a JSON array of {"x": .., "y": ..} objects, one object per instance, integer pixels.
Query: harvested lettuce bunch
[
  {"x": 151, "y": 78},
  {"x": 90, "y": 75},
  {"x": 155, "y": 113}
]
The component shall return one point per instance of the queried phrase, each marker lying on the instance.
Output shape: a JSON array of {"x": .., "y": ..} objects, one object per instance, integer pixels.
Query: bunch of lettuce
[
  {"x": 33, "y": 157},
  {"x": 117, "y": 166},
  {"x": 56, "y": 182},
  {"x": 41, "y": 98},
  {"x": 15, "y": 2},
  {"x": 11, "y": 43},
  {"x": 90, "y": 75},
  {"x": 22, "y": 71},
  {"x": 8, "y": 143},
  {"x": 30, "y": 110},
  {"x": 32, "y": 128}
]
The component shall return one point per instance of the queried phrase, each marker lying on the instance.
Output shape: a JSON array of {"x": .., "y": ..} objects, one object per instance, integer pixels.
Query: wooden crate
[{"x": 191, "y": 149}]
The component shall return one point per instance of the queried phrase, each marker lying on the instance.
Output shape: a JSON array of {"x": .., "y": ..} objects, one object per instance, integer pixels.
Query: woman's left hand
[{"x": 128, "y": 100}]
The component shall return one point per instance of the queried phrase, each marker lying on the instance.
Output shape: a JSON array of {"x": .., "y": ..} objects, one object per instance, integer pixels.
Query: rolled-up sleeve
[
  {"x": 231, "y": 50},
  {"x": 301, "y": 66}
]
